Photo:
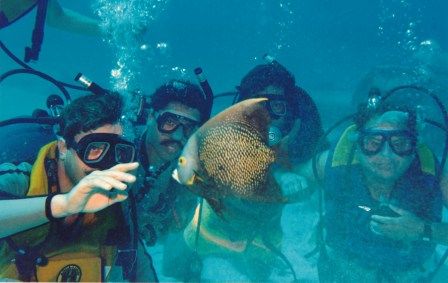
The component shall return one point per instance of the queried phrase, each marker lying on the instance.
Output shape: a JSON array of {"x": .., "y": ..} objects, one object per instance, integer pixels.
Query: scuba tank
[{"x": 26, "y": 142}]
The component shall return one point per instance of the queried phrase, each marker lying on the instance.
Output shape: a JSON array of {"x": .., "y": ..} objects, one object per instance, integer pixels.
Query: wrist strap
[{"x": 48, "y": 213}]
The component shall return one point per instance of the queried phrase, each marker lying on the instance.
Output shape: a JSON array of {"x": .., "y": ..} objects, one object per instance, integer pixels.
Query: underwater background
[{"x": 330, "y": 46}]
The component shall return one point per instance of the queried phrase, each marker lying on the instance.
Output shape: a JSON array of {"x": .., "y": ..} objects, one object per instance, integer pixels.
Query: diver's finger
[
  {"x": 384, "y": 219},
  {"x": 116, "y": 184},
  {"x": 118, "y": 175},
  {"x": 125, "y": 167},
  {"x": 99, "y": 183},
  {"x": 113, "y": 197},
  {"x": 119, "y": 198},
  {"x": 399, "y": 210}
]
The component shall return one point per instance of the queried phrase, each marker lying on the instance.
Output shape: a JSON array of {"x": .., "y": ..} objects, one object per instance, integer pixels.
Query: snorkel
[{"x": 206, "y": 89}]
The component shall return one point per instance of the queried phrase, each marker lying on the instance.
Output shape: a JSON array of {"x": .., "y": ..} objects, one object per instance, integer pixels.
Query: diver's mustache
[{"x": 170, "y": 142}]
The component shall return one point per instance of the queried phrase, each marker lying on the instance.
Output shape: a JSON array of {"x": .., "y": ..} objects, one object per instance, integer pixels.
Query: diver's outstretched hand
[
  {"x": 293, "y": 186},
  {"x": 95, "y": 191}
]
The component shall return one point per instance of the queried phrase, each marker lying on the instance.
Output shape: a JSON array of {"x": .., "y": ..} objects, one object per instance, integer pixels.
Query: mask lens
[
  {"x": 124, "y": 153},
  {"x": 167, "y": 122},
  {"x": 371, "y": 144},
  {"x": 277, "y": 107},
  {"x": 95, "y": 151},
  {"x": 401, "y": 144}
]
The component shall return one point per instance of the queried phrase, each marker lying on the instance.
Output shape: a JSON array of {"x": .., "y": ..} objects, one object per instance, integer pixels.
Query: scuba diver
[
  {"x": 73, "y": 184},
  {"x": 381, "y": 201},
  {"x": 296, "y": 126},
  {"x": 174, "y": 112}
]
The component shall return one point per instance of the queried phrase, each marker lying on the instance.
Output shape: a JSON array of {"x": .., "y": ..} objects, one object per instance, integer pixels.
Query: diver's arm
[
  {"x": 21, "y": 214},
  {"x": 299, "y": 183},
  {"x": 94, "y": 192},
  {"x": 408, "y": 227},
  {"x": 294, "y": 188},
  {"x": 68, "y": 20},
  {"x": 17, "y": 212}
]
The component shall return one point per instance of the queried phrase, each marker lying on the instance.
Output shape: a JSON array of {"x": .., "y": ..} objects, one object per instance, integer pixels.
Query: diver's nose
[{"x": 386, "y": 151}]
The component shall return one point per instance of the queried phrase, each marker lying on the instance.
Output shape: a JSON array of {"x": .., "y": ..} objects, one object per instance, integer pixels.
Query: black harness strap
[
  {"x": 127, "y": 251},
  {"x": 150, "y": 177}
]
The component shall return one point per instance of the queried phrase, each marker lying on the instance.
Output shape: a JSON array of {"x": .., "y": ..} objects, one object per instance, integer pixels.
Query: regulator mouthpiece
[{"x": 274, "y": 135}]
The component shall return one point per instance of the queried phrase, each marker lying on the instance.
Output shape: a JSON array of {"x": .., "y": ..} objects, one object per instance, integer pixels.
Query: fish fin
[
  {"x": 175, "y": 176},
  {"x": 217, "y": 205},
  {"x": 189, "y": 182}
]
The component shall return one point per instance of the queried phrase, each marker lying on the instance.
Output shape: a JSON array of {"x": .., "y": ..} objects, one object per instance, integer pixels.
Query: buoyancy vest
[
  {"x": 81, "y": 257},
  {"x": 347, "y": 226}
]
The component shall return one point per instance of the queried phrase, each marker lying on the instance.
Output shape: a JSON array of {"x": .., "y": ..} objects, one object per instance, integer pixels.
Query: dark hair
[
  {"x": 263, "y": 76},
  {"x": 90, "y": 112},
  {"x": 311, "y": 131},
  {"x": 180, "y": 91}
]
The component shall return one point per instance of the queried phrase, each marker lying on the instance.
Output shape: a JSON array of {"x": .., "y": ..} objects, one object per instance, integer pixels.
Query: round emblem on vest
[{"x": 70, "y": 273}]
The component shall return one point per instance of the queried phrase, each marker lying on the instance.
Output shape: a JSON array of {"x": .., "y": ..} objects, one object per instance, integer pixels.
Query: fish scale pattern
[{"x": 236, "y": 158}]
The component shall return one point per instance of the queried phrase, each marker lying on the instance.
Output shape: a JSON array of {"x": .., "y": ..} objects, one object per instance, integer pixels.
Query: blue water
[{"x": 328, "y": 45}]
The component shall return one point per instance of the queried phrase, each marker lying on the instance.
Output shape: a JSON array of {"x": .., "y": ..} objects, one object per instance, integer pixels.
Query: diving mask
[
  {"x": 168, "y": 123},
  {"x": 103, "y": 150},
  {"x": 402, "y": 142}
]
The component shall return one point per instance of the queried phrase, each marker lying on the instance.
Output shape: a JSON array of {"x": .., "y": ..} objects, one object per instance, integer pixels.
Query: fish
[{"x": 229, "y": 156}]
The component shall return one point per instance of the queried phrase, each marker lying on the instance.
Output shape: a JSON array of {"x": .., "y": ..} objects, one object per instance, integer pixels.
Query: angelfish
[{"x": 229, "y": 156}]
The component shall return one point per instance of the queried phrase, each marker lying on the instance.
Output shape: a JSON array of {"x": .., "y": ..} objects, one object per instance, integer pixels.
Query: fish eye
[{"x": 182, "y": 160}]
